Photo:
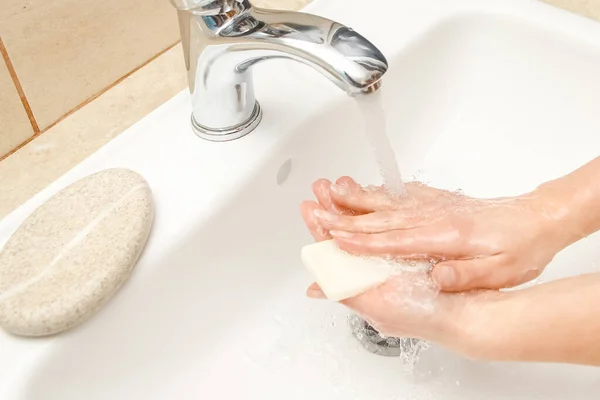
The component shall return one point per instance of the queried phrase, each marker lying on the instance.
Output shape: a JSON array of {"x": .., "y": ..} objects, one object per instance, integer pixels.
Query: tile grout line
[
  {"x": 88, "y": 100},
  {"x": 112, "y": 85},
  {"x": 13, "y": 75}
]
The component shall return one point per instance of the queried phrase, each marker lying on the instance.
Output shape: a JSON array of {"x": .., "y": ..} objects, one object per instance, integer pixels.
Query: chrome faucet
[{"x": 223, "y": 39}]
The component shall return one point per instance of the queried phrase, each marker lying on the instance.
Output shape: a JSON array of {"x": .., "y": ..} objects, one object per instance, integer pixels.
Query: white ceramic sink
[{"x": 492, "y": 97}]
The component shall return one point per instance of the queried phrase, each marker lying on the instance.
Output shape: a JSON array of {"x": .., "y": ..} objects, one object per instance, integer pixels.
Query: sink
[{"x": 490, "y": 97}]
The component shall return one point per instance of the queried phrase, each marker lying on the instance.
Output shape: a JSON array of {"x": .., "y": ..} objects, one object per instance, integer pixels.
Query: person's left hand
[{"x": 477, "y": 243}]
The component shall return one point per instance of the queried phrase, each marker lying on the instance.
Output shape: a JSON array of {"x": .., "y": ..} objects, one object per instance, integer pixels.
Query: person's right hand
[{"x": 479, "y": 243}]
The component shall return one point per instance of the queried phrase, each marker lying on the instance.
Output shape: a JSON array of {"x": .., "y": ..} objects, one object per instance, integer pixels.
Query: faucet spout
[{"x": 223, "y": 39}]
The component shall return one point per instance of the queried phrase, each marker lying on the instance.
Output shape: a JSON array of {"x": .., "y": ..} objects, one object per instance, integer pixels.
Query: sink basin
[{"x": 491, "y": 97}]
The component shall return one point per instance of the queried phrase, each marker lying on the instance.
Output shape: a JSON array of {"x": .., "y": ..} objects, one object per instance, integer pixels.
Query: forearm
[
  {"x": 573, "y": 202},
  {"x": 557, "y": 321}
]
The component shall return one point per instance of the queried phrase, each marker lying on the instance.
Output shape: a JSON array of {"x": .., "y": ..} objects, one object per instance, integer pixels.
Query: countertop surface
[{"x": 43, "y": 160}]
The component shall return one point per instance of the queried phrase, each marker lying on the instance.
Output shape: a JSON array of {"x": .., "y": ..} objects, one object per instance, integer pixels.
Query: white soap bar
[{"x": 341, "y": 275}]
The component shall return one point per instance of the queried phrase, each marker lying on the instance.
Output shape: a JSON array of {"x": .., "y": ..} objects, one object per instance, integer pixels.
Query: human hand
[
  {"x": 408, "y": 304},
  {"x": 479, "y": 243}
]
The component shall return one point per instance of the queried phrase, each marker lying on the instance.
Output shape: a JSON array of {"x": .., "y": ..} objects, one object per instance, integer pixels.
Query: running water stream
[
  {"x": 376, "y": 130},
  {"x": 374, "y": 118}
]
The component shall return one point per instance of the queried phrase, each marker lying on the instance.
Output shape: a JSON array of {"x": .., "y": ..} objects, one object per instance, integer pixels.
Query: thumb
[{"x": 477, "y": 273}]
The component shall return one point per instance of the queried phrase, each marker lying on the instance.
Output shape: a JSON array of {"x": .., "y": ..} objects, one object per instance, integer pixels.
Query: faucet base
[{"x": 230, "y": 133}]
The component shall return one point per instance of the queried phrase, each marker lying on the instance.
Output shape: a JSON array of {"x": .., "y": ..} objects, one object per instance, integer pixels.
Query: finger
[
  {"x": 376, "y": 222},
  {"x": 323, "y": 194},
  {"x": 307, "y": 210},
  {"x": 322, "y": 191},
  {"x": 350, "y": 183},
  {"x": 478, "y": 273},
  {"x": 359, "y": 199},
  {"x": 315, "y": 292},
  {"x": 423, "y": 242}
]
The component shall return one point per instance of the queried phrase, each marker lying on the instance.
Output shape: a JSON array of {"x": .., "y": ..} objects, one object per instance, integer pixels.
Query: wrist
[
  {"x": 460, "y": 326},
  {"x": 478, "y": 328},
  {"x": 571, "y": 202},
  {"x": 559, "y": 206}
]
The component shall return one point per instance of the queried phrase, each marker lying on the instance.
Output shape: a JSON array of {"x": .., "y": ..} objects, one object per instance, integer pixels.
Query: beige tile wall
[
  {"x": 587, "y": 8},
  {"x": 65, "y": 52},
  {"x": 14, "y": 124}
]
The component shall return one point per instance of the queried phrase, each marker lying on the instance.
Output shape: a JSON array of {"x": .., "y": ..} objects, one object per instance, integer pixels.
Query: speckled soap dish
[{"x": 73, "y": 253}]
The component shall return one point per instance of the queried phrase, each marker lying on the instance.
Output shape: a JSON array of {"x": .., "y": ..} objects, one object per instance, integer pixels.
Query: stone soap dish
[{"x": 71, "y": 255}]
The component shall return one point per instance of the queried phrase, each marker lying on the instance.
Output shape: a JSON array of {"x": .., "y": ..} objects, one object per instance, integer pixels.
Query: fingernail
[
  {"x": 324, "y": 215},
  {"x": 444, "y": 276},
  {"x": 341, "y": 234},
  {"x": 339, "y": 190}
]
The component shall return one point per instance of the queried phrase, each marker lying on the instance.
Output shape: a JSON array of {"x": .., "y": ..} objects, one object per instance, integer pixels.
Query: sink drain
[{"x": 407, "y": 349}]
